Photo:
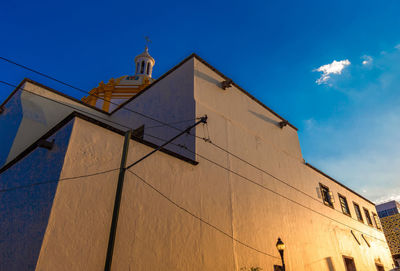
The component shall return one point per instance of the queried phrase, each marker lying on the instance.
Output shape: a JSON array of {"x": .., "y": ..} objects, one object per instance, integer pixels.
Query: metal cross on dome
[{"x": 147, "y": 40}]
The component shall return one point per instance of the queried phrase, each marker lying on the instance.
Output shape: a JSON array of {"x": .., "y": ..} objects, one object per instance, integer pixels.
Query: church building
[{"x": 98, "y": 184}]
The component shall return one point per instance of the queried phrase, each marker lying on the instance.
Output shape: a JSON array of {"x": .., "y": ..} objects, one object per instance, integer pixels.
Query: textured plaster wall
[
  {"x": 77, "y": 233},
  {"x": 10, "y": 120},
  {"x": 38, "y": 116},
  {"x": 155, "y": 234},
  {"x": 247, "y": 130},
  {"x": 24, "y": 212},
  {"x": 171, "y": 101}
]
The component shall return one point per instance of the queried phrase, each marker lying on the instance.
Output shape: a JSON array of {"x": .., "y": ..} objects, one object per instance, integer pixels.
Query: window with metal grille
[
  {"x": 367, "y": 216},
  {"x": 377, "y": 221},
  {"x": 379, "y": 267},
  {"x": 327, "y": 196},
  {"x": 358, "y": 212},
  {"x": 344, "y": 205},
  {"x": 349, "y": 263}
]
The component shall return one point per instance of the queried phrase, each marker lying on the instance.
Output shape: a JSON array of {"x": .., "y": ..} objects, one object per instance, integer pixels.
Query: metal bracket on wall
[
  {"x": 283, "y": 123},
  {"x": 226, "y": 84},
  {"x": 139, "y": 132},
  {"x": 43, "y": 143}
]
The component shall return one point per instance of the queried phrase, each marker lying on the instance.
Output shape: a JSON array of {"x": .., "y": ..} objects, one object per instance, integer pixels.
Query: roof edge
[
  {"x": 64, "y": 95},
  {"x": 339, "y": 183},
  {"x": 28, "y": 80},
  {"x": 244, "y": 91},
  {"x": 75, "y": 114},
  {"x": 155, "y": 82},
  {"x": 194, "y": 55}
]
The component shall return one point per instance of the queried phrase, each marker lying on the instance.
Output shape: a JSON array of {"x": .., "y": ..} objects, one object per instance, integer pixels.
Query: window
[
  {"x": 379, "y": 267},
  {"x": 358, "y": 212},
  {"x": 142, "y": 67},
  {"x": 327, "y": 196},
  {"x": 349, "y": 263},
  {"x": 367, "y": 216},
  {"x": 344, "y": 205},
  {"x": 377, "y": 221},
  {"x": 148, "y": 68}
]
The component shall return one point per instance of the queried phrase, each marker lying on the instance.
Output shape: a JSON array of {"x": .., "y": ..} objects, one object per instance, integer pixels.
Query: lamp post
[{"x": 281, "y": 247}]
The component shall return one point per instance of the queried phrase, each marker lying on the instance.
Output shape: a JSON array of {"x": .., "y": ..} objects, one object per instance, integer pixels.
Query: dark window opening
[
  {"x": 379, "y": 267},
  {"x": 142, "y": 67},
  {"x": 388, "y": 212},
  {"x": 358, "y": 212},
  {"x": 367, "y": 217},
  {"x": 349, "y": 263},
  {"x": 377, "y": 221},
  {"x": 148, "y": 68},
  {"x": 326, "y": 195},
  {"x": 344, "y": 205}
]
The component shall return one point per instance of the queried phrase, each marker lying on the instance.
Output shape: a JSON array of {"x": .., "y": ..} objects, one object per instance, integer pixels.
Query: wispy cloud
[
  {"x": 397, "y": 46},
  {"x": 360, "y": 146},
  {"x": 367, "y": 60},
  {"x": 336, "y": 67}
]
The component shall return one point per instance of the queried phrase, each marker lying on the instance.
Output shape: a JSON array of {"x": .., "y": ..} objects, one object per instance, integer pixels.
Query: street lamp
[{"x": 281, "y": 247}]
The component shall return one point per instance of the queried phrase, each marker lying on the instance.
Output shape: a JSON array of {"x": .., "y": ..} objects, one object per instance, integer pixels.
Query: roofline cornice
[
  {"x": 339, "y": 183},
  {"x": 193, "y": 55},
  {"x": 75, "y": 114}
]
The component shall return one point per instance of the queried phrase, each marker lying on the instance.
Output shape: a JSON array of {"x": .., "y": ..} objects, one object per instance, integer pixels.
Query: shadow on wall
[
  {"x": 264, "y": 118},
  {"x": 206, "y": 77},
  {"x": 329, "y": 263}
]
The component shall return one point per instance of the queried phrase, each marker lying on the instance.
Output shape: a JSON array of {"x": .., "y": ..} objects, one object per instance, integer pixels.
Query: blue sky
[{"x": 349, "y": 123}]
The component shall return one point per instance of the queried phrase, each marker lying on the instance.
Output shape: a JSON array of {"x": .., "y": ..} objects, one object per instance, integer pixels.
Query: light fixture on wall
[
  {"x": 281, "y": 247},
  {"x": 226, "y": 84},
  {"x": 283, "y": 123}
]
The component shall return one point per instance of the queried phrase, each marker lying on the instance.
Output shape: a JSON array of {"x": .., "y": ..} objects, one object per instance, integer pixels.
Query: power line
[
  {"x": 198, "y": 217},
  {"x": 86, "y": 92},
  {"x": 176, "y": 122},
  {"x": 274, "y": 177},
  {"x": 166, "y": 124},
  {"x": 283, "y": 196},
  {"x": 272, "y": 191},
  {"x": 74, "y": 108},
  {"x": 56, "y": 181}
]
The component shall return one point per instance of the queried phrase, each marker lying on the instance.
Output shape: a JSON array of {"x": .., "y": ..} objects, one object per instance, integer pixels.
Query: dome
[
  {"x": 144, "y": 63},
  {"x": 145, "y": 54}
]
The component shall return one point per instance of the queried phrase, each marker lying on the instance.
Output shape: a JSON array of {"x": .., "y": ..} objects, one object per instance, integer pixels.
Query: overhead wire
[
  {"x": 199, "y": 218},
  {"x": 56, "y": 181},
  {"x": 151, "y": 118},
  {"x": 86, "y": 92},
  {"x": 187, "y": 149},
  {"x": 270, "y": 190},
  {"x": 69, "y": 106}
]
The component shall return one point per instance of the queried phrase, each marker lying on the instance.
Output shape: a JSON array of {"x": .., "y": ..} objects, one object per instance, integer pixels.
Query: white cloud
[
  {"x": 367, "y": 60},
  {"x": 336, "y": 67},
  {"x": 397, "y": 46}
]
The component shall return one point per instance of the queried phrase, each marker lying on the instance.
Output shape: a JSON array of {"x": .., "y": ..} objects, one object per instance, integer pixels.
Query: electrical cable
[
  {"x": 56, "y": 181},
  {"x": 198, "y": 217},
  {"x": 166, "y": 124},
  {"x": 270, "y": 190},
  {"x": 86, "y": 92},
  {"x": 72, "y": 107},
  {"x": 176, "y": 122}
]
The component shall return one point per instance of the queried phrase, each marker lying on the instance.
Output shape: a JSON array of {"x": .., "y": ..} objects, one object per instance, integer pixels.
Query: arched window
[
  {"x": 142, "y": 68},
  {"x": 137, "y": 67},
  {"x": 148, "y": 68}
]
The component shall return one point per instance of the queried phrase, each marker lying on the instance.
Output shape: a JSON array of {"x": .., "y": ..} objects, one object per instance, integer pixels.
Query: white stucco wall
[
  {"x": 155, "y": 234},
  {"x": 40, "y": 114},
  {"x": 255, "y": 209}
]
